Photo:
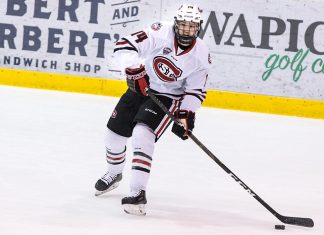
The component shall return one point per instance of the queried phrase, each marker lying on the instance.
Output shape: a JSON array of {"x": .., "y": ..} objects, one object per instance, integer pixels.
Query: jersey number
[{"x": 141, "y": 36}]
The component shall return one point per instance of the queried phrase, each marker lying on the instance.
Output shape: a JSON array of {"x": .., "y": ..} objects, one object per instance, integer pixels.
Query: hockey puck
[{"x": 280, "y": 227}]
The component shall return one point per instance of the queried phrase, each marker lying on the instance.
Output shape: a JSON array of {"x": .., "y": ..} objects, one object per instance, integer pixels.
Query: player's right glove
[
  {"x": 186, "y": 125},
  {"x": 137, "y": 80}
]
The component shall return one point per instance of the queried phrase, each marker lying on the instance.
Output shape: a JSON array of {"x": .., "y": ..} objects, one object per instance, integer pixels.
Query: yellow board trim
[
  {"x": 61, "y": 82},
  {"x": 216, "y": 99}
]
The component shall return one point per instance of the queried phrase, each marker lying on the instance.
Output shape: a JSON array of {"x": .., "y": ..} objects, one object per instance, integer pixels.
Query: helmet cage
[
  {"x": 187, "y": 13},
  {"x": 185, "y": 40}
]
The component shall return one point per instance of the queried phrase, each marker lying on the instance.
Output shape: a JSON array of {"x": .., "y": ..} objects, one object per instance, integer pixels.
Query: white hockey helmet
[{"x": 191, "y": 14}]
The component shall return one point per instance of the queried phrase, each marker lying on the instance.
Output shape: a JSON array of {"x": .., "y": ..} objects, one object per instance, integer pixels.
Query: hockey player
[{"x": 171, "y": 61}]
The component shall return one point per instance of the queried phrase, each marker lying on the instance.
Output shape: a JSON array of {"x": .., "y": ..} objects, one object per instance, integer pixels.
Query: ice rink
[{"x": 52, "y": 153}]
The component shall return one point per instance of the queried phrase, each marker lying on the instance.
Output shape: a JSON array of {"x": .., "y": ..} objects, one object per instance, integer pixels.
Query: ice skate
[
  {"x": 135, "y": 204},
  {"x": 107, "y": 183}
]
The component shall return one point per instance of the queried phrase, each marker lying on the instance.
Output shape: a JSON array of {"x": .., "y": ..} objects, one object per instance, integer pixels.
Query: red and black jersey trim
[
  {"x": 175, "y": 96},
  {"x": 199, "y": 90},
  {"x": 125, "y": 44},
  {"x": 201, "y": 96}
]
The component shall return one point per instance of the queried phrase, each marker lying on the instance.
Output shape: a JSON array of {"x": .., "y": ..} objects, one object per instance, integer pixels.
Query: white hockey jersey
[{"x": 178, "y": 74}]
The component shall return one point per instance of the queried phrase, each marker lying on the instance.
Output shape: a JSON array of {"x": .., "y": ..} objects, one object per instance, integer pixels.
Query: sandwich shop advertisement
[{"x": 267, "y": 55}]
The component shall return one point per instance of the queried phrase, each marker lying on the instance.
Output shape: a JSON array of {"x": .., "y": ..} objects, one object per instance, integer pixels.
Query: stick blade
[{"x": 306, "y": 222}]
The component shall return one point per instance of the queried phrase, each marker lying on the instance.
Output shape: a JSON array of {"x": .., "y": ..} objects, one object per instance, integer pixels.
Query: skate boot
[
  {"x": 107, "y": 183},
  {"x": 135, "y": 204}
]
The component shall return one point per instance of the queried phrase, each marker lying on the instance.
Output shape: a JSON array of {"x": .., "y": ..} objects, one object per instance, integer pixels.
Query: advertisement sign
[
  {"x": 66, "y": 36},
  {"x": 266, "y": 47}
]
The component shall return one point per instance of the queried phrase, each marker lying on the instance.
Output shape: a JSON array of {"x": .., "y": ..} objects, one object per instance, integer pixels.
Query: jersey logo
[
  {"x": 166, "y": 50},
  {"x": 156, "y": 26},
  {"x": 165, "y": 69}
]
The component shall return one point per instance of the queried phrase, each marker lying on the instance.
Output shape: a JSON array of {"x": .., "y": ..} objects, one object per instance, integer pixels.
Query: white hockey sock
[
  {"x": 115, "y": 152},
  {"x": 143, "y": 147}
]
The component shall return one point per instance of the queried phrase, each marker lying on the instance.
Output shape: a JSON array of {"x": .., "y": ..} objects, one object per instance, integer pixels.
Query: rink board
[
  {"x": 217, "y": 99},
  {"x": 266, "y": 56}
]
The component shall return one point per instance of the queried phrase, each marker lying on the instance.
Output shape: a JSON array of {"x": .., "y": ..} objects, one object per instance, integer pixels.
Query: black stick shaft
[{"x": 307, "y": 222}]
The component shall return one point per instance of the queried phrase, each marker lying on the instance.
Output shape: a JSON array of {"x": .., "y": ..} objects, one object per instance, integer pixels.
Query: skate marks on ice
[
  {"x": 191, "y": 216},
  {"x": 51, "y": 147}
]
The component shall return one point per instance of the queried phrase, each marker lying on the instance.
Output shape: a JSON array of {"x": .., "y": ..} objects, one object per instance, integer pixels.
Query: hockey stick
[{"x": 306, "y": 222}]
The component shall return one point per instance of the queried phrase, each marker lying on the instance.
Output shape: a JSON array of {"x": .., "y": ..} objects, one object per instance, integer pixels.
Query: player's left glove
[
  {"x": 187, "y": 123},
  {"x": 137, "y": 80}
]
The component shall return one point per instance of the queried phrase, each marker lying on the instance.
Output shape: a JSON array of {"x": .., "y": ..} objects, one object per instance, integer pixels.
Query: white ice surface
[{"x": 51, "y": 154}]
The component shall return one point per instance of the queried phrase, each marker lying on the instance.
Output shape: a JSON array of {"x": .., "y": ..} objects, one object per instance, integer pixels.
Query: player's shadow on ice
[{"x": 195, "y": 216}]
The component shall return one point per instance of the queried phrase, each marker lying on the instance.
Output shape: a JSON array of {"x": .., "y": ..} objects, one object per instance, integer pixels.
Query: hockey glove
[
  {"x": 137, "y": 80},
  {"x": 187, "y": 123}
]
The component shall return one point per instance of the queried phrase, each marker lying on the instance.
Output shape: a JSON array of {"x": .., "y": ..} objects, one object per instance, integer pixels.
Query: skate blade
[
  {"x": 98, "y": 193},
  {"x": 135, "y": 209}
]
